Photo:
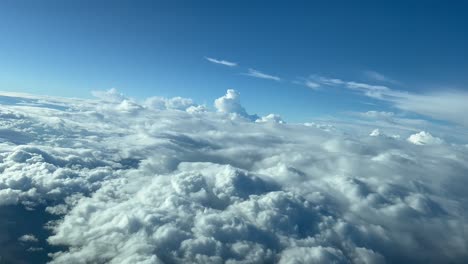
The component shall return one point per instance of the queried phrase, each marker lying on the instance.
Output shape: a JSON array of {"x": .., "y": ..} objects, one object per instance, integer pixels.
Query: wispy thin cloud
[
  {"x": 448, "y": 105},
  {"x": 316, "y": 82},
  {"x": 377, "y": 76},
  {"x": 307, "y": 83},
  {"x": 312, "y": 85},
  {"x": 261, "y": 75},
  {"x": 222, "y": 62},
  {"x": 371, "y": 90},
  {"x": 327, "y": 81}
]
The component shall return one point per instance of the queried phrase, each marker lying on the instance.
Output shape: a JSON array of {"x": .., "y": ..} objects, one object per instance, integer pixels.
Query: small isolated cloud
[
  {"x": 222, "y": 62},
  {"x": 375, "y": 133},
  {"x": 28, "y": 238},
  {"x": 261, "y": 75}
]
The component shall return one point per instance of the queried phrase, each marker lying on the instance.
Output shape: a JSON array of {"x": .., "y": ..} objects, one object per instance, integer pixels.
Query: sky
[
  {"x": 233, "y": 132},
  {"x": 278, "y": 56}
]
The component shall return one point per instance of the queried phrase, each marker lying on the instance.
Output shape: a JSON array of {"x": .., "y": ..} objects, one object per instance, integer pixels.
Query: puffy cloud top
[
  {"x": 375, "y": 133},
  {"x": 160, "y": 103},
  {"x": 271, "y": 118},
  {"x": 424, "y": 138},
  {"x": 230, "y": 104}
]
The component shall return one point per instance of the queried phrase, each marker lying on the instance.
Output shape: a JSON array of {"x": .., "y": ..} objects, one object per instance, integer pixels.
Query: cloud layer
[{"x": 167, "y": 181}]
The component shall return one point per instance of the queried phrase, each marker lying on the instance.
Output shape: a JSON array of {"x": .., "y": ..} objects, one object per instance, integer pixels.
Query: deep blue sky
[{"x": 146, "y": 48}]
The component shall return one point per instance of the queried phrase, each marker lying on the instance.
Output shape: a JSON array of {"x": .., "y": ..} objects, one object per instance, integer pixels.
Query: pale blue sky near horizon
[{"x": 268, "y": 51}]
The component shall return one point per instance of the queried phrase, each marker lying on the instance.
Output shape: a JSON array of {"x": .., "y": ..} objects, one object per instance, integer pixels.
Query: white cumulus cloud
[
  {"x": 424, "y": 138},
  {"x": 230, "y": 104}
]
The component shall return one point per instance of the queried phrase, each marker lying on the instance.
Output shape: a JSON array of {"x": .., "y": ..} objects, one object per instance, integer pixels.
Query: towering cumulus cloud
[
  {"x": 112, "y": 180},
  {"x": 230, "y": 104}
]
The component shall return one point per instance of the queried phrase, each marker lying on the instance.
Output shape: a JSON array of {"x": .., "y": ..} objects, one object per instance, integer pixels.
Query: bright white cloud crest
[
  {"x": 167, "y": 181},
  {"x": 424, "y": 138}
]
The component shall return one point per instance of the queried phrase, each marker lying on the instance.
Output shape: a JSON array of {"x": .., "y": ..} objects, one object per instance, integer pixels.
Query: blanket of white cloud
[{"x": 168, "y": 181}]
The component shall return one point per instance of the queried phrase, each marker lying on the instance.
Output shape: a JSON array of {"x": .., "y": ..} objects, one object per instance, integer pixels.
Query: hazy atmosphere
[{"x": 233, "y": 132}]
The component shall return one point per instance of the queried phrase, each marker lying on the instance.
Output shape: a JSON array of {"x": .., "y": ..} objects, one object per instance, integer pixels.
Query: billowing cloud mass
[
  {"x": 168, "y": 181},
  {"x": 160, "y": 103},
  {"x": 230, "y": 104}
]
